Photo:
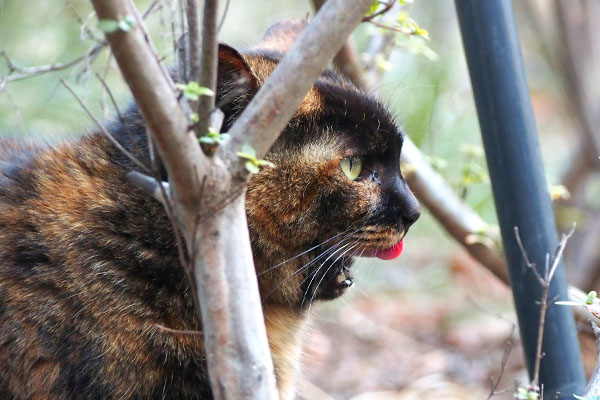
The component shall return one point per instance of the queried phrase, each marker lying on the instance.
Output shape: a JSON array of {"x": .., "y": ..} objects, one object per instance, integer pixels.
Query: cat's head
[{"x": 336, "y": 191}]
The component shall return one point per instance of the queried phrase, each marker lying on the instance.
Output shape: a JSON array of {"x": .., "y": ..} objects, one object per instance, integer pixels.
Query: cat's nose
[{"x": 404, "y": 205}]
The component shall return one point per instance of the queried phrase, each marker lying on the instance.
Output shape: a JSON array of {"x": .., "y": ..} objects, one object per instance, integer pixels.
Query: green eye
[{"x": 351, "y": 167}]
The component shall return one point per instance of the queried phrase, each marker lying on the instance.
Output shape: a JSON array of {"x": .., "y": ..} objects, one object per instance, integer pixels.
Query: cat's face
[{"x": 336, "y": 192}]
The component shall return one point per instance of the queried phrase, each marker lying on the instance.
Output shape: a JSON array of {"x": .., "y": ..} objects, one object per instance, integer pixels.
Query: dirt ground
[{"x": 435, "y": 332}]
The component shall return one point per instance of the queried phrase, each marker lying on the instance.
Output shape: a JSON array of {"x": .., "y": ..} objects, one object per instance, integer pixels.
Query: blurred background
[{"x": 435, "y": 323}]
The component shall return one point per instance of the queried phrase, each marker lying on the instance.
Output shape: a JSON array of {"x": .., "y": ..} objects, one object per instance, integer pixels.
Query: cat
[{"x": 89, "y": 268}]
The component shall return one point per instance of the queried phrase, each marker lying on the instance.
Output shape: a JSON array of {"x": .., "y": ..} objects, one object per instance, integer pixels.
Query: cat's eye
[{"x": 351, "y": 167}]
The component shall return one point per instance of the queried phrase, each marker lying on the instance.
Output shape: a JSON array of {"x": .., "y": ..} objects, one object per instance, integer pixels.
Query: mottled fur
[{"x": 89, "y": 266}]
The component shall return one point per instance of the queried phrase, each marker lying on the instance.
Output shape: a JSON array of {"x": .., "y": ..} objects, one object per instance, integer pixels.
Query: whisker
[
  {"x": 314, "y": 275},
  {"x": 306, "y": 251},
  {"x": 323, "y": 277},
  {"x": 331, "y": 249}
]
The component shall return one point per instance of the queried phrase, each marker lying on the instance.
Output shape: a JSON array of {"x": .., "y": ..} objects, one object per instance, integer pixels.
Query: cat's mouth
[{"x": 343, "y": 279}]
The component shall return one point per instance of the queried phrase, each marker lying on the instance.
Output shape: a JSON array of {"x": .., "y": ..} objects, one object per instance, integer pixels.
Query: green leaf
[
  {"x": 207, "y": 140},
  {"x": 591, "y": 297},
  {"x": 373, "y": 8},
  {"x": 108, "y": 25},
  {"x": 194, "y": 117},
  {"x": 249, "y": 150},
  {"x": 130, "y": 20},
  {"x": 124, "y": 26},
  {"x": 192, "y": 90},
  {"x": 422, "y": 32},
  {"x": 253, "y": 169}
]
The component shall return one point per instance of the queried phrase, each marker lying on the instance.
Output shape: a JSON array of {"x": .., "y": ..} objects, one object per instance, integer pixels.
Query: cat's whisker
[
  {"x": 308, "y": 264},
  {"x": 314, "y": 274},
  {"x": 306, "y": 251},
  {"x": 323, "y": 263},
  {"x": 323, "y": 277}
]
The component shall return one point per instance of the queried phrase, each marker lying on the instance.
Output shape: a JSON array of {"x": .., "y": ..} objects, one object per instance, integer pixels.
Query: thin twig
[
  {"x": 207, "y": 74},
  {"x": 545, "y": 283},
  {"x": 17, "y": 74},
  {"x": 223, "y": 16},
  {"x": 388, "y": 7},
  {"x": 392, "y": 28},
  {"x": 194, "y": 48},
  {"x": 178, "y": 331},
  {"x": 158, "y": 190},
  {"x": 103, "y": 129},
  {"x": 507, "y": 349}
]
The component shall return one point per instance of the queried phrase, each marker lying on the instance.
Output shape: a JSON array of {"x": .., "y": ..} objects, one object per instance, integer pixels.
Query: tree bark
[{"x": 207, "y": 194}]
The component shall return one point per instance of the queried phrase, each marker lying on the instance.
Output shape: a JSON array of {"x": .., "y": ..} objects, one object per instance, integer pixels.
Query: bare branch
[
  {"x": 460, "y": 221},
  {"x": 528, "y": 263},
  {"x": 207, "y": 74},
  {"x": 387, "y": 7},
  {"x": 17, "y": 74},
  {"x": 223, "y": 16},
  {"x": 507, "y": 349},
  {"x": 275, "y": 103},
  {"x": 103, "y": 129},
  {"x": 451, "y": 212},
  {"x": 194, "y": 49},
  {"x": 545, "y": 284},
  {"x": 151, "y": 186},
  {"x": 156, "y": 99}
]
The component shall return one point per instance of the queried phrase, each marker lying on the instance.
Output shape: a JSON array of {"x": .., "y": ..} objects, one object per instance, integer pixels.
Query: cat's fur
[{"x": 89, "y": 265}]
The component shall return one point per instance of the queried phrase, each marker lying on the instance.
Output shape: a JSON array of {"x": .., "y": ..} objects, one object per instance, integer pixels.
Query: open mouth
[
  {"x": 343, "y": 279},
  {"x": 385, "y": 254}
]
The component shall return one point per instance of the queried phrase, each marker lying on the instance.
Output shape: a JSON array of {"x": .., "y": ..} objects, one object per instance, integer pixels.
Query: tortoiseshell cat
[{"x": 89, "y": 265}]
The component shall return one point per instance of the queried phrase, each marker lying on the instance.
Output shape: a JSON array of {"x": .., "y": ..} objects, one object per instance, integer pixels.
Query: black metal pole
[{"x": 520, "y": 191}]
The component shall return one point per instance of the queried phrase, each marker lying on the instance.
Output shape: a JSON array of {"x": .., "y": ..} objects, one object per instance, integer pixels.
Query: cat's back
[{"x": 83, "y": 283}]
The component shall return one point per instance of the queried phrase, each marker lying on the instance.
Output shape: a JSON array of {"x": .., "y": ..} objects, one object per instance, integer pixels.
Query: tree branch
[
  {"x": 544, "y": 281},
  {"x": 273, "y": 106},
  {"x": 431, "y": 189},
  {"x": 206, "y": 75},
  {"x": 155, "y": 96},
  {"x": 207, "y": 202}
]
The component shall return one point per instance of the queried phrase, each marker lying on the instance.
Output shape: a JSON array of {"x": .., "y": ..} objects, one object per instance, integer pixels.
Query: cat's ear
[
  {"x": 282, "y": 35},
  {"x": 233, "y": 72}
]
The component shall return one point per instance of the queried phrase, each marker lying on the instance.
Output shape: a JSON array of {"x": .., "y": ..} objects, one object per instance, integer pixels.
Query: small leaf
[
  {"x": 108, "y": 25},
  {"x": 422, "y": 32},
  {"x": 193, "y": 90},
  {"x": 194, "y": 117},
  {"x": 247, "y": 156},
  {"x": 559, "y": 192},
  {"x": 373, "y": 8},
  {"x": 223, "y": 137},
  {"x": 124, "y": 26},
  {"x": 206, "y": 139},
  {"x": 130, "y": 20},
  {"x": 591, "y": 297},
  {"x": 249, "y": 150},
  {"x": 253, "y": 169}
]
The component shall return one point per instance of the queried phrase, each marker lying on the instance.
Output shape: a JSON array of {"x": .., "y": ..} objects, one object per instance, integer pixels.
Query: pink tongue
[{"x": 391, "y": 253}]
